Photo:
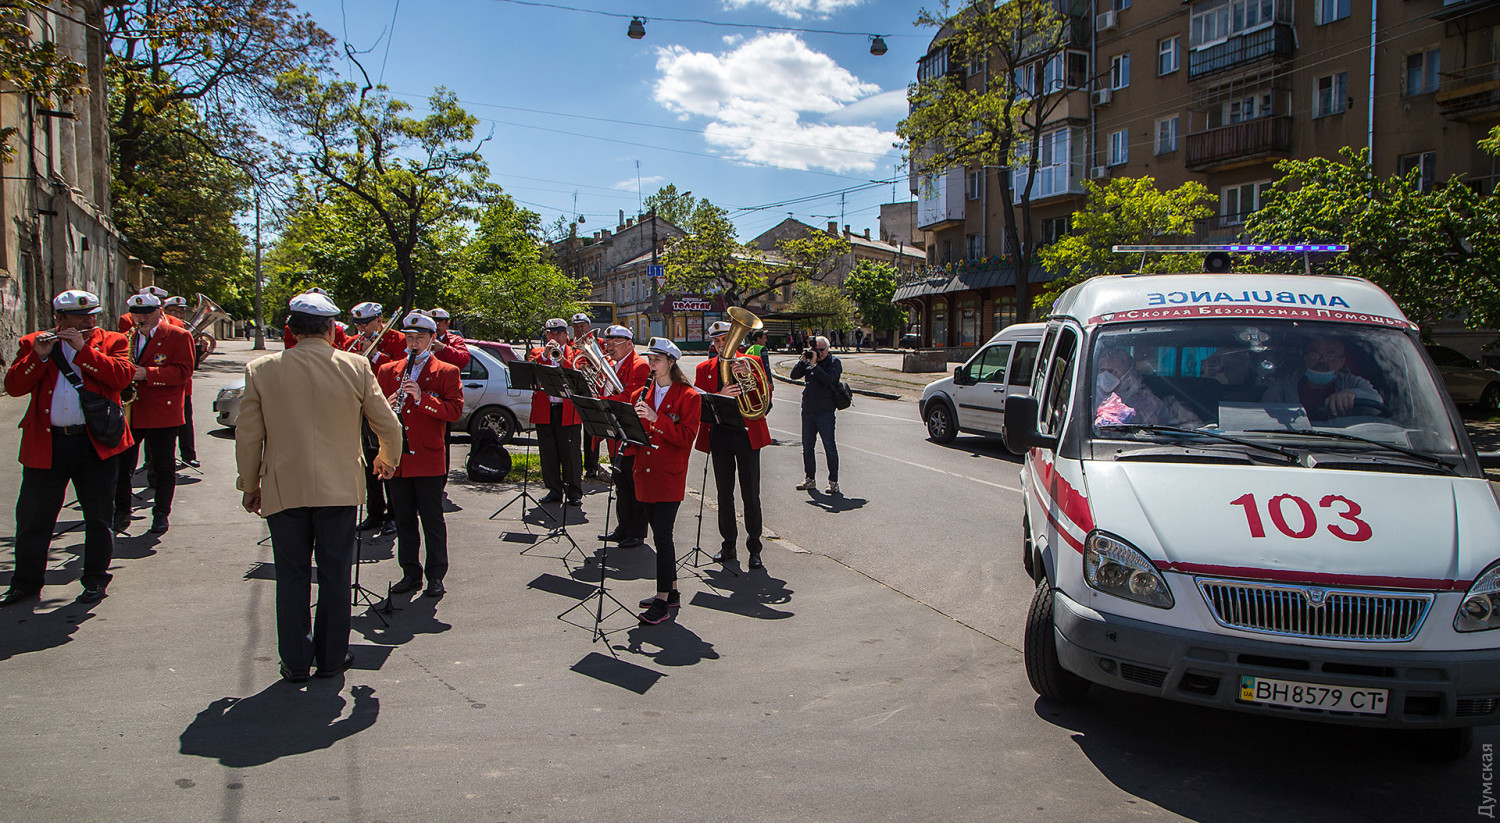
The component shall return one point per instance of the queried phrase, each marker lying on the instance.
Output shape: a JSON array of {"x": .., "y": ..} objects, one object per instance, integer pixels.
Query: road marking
[
  {"x": 867, "y": 414},
  {"x": 843, "y": 446}
]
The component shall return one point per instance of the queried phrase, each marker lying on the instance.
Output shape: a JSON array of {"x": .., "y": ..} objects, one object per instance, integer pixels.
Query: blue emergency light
[{"x": 1299, "y": 248}]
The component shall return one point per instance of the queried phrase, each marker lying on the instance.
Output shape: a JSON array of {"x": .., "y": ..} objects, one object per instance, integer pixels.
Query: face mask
[
  {"x": 1106, "y": 382},
  {"x": 1319, "y": 378}
]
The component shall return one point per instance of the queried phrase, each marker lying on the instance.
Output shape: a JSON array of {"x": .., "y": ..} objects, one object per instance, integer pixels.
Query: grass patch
[{"x": 527, "y": 465}]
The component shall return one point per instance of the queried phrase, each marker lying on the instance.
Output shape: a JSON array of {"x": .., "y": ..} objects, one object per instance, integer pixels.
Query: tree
[
  {"x": 709, "y": 259},
  {"x": 872, "y": 286},
  {"x": 510, "y": 287},
  {"x": 1434, "y": 252},
  {"x": 1125, "y": 211},
  {"x": 413, "y": 174},
  {"x": 999, "y": 123},
  {"x": 33, "y": 67},
  {"x": 835, "y": 312},
  {"x": 672, "y": 207}
]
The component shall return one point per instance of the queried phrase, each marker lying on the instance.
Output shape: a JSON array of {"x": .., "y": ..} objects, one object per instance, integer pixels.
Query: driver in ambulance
[{"x": 1323, "y": 387}]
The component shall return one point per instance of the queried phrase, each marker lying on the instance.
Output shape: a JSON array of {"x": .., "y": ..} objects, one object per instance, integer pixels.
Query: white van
[
  {"x": 1252, "y": 492},
  {"x": 972, "y": 401}
]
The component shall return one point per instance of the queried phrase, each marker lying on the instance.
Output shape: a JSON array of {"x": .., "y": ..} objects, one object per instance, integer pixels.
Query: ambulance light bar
[{"x": 1302, "y": 248}]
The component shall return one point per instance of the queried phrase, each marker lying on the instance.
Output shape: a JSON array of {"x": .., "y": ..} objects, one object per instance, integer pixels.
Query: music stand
[
  {"x": 715, "y": 411},
  {"x": 361, "y": 596},
  {"x": 522, "y": 378},
  {"x": 553, "y": 381},
  {"x": 614, "y": 420}
]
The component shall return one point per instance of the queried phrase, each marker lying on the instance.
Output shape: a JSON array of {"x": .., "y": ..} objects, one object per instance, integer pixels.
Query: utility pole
[{"x": 260, "y": 317}]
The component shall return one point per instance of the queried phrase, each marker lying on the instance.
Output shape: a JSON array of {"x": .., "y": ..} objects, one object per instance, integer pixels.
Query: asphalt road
[{"x": 871, "y": 673}]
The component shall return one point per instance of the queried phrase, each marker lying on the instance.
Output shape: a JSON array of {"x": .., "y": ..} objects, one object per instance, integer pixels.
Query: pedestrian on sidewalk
[{"x": 823, "y": 372}]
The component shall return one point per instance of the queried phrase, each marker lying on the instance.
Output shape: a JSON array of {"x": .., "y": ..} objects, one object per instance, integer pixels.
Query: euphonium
[
  {"x": 206, "y": 314},
  {"x": 596, "y": 369},
  {"x": 755, "y": 396}
]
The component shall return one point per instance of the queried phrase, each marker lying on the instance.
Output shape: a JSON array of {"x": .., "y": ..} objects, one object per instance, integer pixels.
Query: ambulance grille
[{"x": 1316, "y": 612}]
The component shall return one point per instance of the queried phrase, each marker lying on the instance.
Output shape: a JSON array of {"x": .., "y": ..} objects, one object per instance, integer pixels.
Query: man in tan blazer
[{"x": 301, "y": 466}]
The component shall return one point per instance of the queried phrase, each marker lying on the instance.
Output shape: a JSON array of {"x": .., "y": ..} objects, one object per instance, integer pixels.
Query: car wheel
[
  {"x": 497, "y": 419},
  {"x": 941, "y": 426},
  {"x": 1490, "y": 400},
  {"x": 1026, "y": 558},
  {"x": 1048, "y": 678}
]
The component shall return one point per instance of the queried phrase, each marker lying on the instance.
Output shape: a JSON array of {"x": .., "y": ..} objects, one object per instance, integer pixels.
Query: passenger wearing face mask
[
  {"x": 1323, "y": 388},
  {"x": 1125, "y": 399}
]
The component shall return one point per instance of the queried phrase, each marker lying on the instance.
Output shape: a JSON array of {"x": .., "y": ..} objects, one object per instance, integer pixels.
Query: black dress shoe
[
  {"x": 755, "y": 561},
  {"x": 158, "y": 524},
  {"x": 92, "y": 594},
  {"x": 122, "y": 523},
  {"x": 293, "y": 677},
  {"x": 575, "y": 501},
  {"x": 551, "y": 498},
  {"x": 612, "y": 537},
  {"x": 337, "y": 670},
  {"x": 435, "y": 588},
  {"x": 630, "y": 543},
  {"x": 388, "y": 527},
  {"x": 407, "y": 584},
  {"x": 369, "y": 523},
  {"x": 192, "y": 461},
  {"x": 726, "y": 556},
  {"x": 14, "y": 596}
]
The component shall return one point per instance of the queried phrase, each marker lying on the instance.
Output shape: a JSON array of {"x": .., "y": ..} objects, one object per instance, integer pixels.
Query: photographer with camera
[{"x": 823, "y": 372}]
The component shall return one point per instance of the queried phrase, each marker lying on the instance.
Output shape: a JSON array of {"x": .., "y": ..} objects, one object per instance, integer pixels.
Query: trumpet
[
  {"x": 369, "y": 347},
  {"x": 596, "y": 369}
]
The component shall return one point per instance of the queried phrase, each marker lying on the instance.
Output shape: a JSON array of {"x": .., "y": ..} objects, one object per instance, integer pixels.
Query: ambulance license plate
[{"x": 1313, "y": 696}]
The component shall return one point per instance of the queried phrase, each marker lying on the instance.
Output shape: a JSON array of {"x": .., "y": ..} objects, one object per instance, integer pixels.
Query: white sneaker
[{"x": 833, "y": 488}]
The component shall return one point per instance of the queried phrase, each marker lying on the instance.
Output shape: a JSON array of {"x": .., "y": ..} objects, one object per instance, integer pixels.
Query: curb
[{"x": 866, "y": 392}]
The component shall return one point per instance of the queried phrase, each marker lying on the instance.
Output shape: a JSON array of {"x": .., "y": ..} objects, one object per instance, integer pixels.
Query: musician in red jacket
[
  {"x": 163, "y": 355},
  {"x": 448, "y": 346},
  {"x": 427, "y": 395},
  {"x": 340, "y": 337},
  {"x": 633, "y": 373},
  {"x": 733, "y": 451},
  {"x": 559, "y": 432},
  {"x": 669, "y": 407},
  {"x": 57, "y": 447},
  {"x": 369, "y": 319}
]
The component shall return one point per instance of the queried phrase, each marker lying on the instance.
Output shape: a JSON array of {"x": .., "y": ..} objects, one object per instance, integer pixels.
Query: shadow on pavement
[
  {"x": 615, "y": 672},
  {"x": 751, "y": 594},
  {"x": 1212, "y": 765},
  {"x": 835, "y": 503},
  {"x": 676, "y": 645},
  {"x": 638, "y": 563},
  {"x": 411, "y": 618},
  {"x": 27, "y": 631},
  {"x": 282, "y": 720},
  {"x": 981, "y": 447}
]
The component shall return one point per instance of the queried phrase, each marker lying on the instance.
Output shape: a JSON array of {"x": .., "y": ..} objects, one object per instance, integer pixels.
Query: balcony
[
  {"x": 1275, "y": 41},
  {"x": 1470, "y": 94},
  {"x": 1241, "y": 144}
]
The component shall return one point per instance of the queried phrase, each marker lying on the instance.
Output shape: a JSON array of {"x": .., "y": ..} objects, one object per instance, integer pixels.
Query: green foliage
[
  {"x": 672, "y": 207},
  {"x": 1436, "y": 252},
  {"x": 510, "y": 286},
  {"x": 1125, "y": 211},
  {"x": 33, "y": 66},
  {"x": 822, "y": 299},
  {"x": 710, "y": 260},
  {"x": 872, "y": 286}
]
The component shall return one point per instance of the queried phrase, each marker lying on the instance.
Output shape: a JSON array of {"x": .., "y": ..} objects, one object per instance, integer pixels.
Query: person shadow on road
[{"x": 282, "y": 720}]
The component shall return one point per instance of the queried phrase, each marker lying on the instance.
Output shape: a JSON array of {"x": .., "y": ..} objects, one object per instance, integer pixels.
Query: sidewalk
[{"x": 878, "y": 373}]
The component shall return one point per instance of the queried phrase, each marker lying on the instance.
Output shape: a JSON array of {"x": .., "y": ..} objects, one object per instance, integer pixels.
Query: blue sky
[{"x": 748, "y": 117}]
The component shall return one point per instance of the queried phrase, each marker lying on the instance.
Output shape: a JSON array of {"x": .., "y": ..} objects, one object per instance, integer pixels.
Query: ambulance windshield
[{"x": 1268, "y": 380}]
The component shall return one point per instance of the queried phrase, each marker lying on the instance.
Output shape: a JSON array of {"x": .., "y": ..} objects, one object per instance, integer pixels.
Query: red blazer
[
  {"x": 707, "y": 380},
  {"x": 168, "y": 361},
  {"x": 127, "y": 322},
  {"x": 425, "y": 424},
  {"x": 541, "y": 404},
  {"x": 455, "y": 350},
  {"x": 103, "y": 364},
  {"x": 661, "y": 472},
  {"x": 634, "y": 373},
  {"x": 392, "y": 346},
  {"x": 340, "y": 338}
]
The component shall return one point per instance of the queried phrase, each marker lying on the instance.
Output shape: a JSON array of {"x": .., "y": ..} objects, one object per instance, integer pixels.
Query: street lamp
[
  {"x": 637, "y": 28},
  {"x": 877, "y": 45}
]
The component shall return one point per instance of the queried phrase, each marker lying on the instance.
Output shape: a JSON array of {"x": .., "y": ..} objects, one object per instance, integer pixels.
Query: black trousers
[
  {"x": 41, "y": 500},
  {"x": 413, "y": 499},
  {"x": 590, "y": 454},
  {"x": 160, "y": 443},
  {"x": 561, "y": 455},
  {"x": 187, "y": 445},
  {"x": 630, "y": 512},
  {"x": 732, "y": 455},
  {"x": 663, "y": 516},
  {"x": 375, "y": 504},
  {"x": 297, "y": 536}
]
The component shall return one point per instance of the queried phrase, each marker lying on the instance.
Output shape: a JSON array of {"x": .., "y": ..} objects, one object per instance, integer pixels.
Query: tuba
[
  {"x": 205, "y": 315},
  {"x": 755, "y": 398},
  {"x": 600, "y": 374}
]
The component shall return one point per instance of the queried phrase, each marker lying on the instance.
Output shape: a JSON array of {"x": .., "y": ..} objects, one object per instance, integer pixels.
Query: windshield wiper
[
  {"x": 1290, "y": 457},
  {"x": 1425, "y": 458}
]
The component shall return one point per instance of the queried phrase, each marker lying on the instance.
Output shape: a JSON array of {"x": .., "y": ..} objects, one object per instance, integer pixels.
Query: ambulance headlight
[
  {"x": 1480, "y": 608},
  {"x": 1115, "y": 567}
]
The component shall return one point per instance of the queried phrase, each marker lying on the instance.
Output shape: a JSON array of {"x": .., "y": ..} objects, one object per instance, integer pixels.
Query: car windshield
[{"x": 1270, "y": 381}]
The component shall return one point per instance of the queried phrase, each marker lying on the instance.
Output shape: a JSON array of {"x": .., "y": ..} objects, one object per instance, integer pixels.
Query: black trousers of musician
[
  {"x": 663, "y": 516},
  {"x": 187, "y": 445},
  {"x": 160, "y": 443},
  {"x": 630, "y": 512},
  {"x": 297, "y": 536},
  {"x": 732, "y": 456},
  {"x": 41, "y": 500},
  {"x": 375, "y": 503},
  {"x": 561, "y": 455},
  {"x": 591, "y": 454},
  {"x": 414, "y": 499}
]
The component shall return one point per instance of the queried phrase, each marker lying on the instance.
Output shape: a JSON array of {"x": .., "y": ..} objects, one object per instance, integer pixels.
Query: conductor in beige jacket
[{"x": 301, "y": 466}]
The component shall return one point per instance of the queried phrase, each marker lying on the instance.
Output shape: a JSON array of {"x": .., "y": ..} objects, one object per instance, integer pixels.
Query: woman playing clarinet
[{"x": 669, "y": 408}]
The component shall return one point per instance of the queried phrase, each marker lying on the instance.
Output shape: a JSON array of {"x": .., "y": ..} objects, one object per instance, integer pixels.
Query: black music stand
[
  {"x": 716, "y": 411},
  {"x": 553, "y": 381},
  {"x": 361, "y": 596},
  {"x": 522, "y": 378},
  {"x": 613, "y": 420}
]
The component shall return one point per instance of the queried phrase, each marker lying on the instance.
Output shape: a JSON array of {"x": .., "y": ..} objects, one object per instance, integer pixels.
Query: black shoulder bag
[{"x": 104, "y": 417}]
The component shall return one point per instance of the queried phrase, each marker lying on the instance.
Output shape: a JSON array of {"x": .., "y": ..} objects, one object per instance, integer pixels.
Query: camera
[{"x": 808, "y": 354}]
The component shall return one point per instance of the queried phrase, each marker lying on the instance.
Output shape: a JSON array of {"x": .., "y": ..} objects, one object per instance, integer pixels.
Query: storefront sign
[{"x": 689, "y": 305}]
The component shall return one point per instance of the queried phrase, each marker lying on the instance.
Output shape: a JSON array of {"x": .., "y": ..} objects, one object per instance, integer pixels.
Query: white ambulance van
[{"x": 1251, "y": 491}]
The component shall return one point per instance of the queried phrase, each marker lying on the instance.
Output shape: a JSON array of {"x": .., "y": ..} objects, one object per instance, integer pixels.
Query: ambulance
[{"x": 1250, "y": 491}]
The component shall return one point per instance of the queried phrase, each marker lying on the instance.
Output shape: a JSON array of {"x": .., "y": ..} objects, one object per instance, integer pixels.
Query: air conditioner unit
[
  {"x": 1106, "y": 21},
  {"x": 1103, "y": 96},
  {"x": 1099, "y": 172}
]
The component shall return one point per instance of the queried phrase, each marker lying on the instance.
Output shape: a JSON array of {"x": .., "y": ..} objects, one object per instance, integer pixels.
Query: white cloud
[
  {"x": 630, "y": 185},
  {"x": 796, "y": 8},
  {"x": 758, "y": 94}
]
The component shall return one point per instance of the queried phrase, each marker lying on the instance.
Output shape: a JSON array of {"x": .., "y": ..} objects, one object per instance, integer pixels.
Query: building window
[
  {"x": 1119, "y": 71},
  {"x": 1248, "y": 107},
  {"x": 968, "y": 322},
  {"x": 1119, "y": 147},
  {"x": 948, "y": 251},
  {"x": 1328, "y": 11},
  {"x": 975, "y": 245},
  {"x": 976, "y": 184},
  {"x": 1053, "y": 229},
  {"x": 1059, "y": 168},
  {"x": 940, "y": 323},
  {"x": 1218, "y": 20},
  {"x": 1237, "y": 202},
  {"x": 1121, "y": 5},
  {"x": 1330, "y": 93},
  {"x": 1005, "y": 311},
  {"x": 1166, "y": 134},
  {"x": 1422, "y": 72},
  {"x": 976, "y": 64},
  {"x": 1425, "y": 163},
  {"x": 1169, "y": 55}
]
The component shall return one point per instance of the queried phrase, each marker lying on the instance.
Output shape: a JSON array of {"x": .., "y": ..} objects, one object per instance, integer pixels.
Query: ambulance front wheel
[{"x": 1048, "y": 678}]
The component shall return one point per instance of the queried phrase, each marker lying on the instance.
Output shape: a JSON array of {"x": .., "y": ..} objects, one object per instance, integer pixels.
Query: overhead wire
[{"x": 696, "y": 20}]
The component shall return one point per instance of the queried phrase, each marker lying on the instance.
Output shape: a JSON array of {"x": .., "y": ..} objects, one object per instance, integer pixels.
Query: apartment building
[
  {"x": 616, "y": 263},
  {"x": 1217, "y": 91}
]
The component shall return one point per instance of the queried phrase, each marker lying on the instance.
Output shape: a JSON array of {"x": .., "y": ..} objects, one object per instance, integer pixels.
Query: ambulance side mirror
[{"x": 1019, "y": 430}]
